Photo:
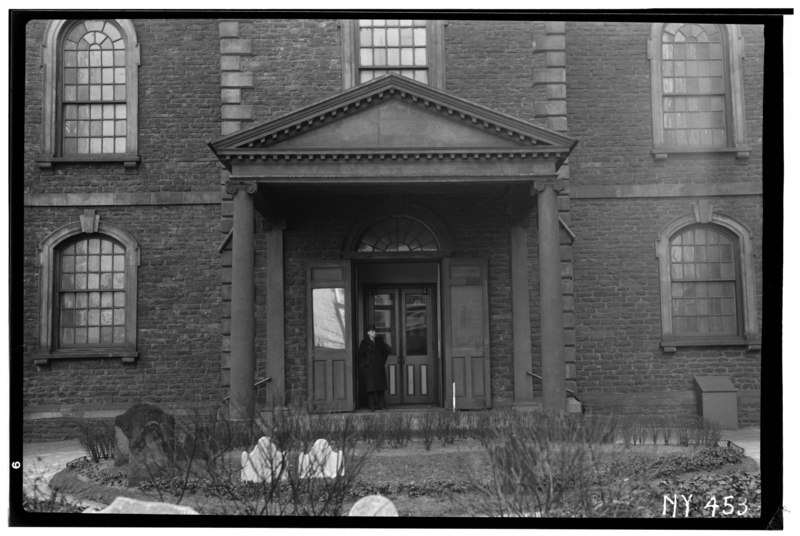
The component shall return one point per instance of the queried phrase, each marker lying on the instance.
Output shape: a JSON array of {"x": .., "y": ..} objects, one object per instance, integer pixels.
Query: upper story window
[
  {"x": 697, "y": 94},
  {"x": 90, "y": 110},
  {"x": 392, "y": 46},
  {"x": 94, "y": 98},
  {"x": 407, "y": 47},
  {"x": 707, "y": 282},
  {"x": 88, "y": 292}
]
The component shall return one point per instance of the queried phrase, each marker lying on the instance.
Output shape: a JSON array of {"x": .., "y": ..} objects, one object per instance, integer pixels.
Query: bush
[
  {"x": 217, "y": 475},
  {"x": 547, "y": 466},
  {"x": 97, "y": 438}
]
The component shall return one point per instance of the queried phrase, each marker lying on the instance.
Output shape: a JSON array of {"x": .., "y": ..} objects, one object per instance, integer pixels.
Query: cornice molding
[{"x": 526, "y": 136}]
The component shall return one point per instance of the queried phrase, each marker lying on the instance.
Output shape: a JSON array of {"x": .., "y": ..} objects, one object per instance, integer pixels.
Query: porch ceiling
[{"x": 393, "y": 130}]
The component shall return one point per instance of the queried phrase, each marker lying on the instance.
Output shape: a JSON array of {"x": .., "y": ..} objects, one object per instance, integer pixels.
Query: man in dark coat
[{"x": 372, "y": 355}]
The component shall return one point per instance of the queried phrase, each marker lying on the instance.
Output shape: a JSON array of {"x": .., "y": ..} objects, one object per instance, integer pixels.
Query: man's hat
[{"x": 370, "y": 327}]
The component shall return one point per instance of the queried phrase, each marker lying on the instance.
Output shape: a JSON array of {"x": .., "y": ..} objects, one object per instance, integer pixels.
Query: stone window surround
[
  {"x": 734, "y": 99},
  {"x": 704, "y": 215},
  {"x": 436, "y": 74},
  {"x": 89, "y": 224},
  {"x": 51, "y": 116}
]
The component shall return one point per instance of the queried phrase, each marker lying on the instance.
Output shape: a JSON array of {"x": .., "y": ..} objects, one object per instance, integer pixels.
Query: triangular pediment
[{"x": 397, "y": 115}]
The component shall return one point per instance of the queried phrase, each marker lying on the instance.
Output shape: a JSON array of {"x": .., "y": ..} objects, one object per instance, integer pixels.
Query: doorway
[
  {"x": 405, "y": 317},
  {"x": 402, "y": 300}
]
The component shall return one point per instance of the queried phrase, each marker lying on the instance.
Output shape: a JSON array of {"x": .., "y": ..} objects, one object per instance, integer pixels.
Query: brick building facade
[{"x": 542, "y": 174}]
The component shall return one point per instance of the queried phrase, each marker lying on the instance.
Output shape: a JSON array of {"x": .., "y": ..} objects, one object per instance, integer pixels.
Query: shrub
[
  {"x": 547, "y": 466},
  {"x": 97, "y": 438},
  {"x": 427, "y": 429},
  {"x": 289, "y": 492}
]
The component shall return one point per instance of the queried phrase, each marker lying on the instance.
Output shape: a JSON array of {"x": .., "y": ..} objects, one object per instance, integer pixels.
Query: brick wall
[
  {"x": 178, "y": 313},
  {"x": 295, "y": 62},
  {"x": 617, "y": 299},
  {"x": 179, "y": 111},
  {"x": 491, "y": 63},
  {"x": 608, "y": 92}
]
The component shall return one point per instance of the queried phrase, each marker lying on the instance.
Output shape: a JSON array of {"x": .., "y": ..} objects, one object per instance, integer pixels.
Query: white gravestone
[
  {"x": 373, "y": 506},
  {"x": 263, "y": 464},
  {"x": 321, "y": 461}
]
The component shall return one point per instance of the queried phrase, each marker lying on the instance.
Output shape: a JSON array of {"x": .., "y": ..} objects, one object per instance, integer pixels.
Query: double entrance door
[{"x": 406, "y": 319}]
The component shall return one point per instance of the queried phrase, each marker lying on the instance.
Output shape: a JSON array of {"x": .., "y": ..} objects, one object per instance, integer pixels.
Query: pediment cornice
[{"x": 516, "y": 139}]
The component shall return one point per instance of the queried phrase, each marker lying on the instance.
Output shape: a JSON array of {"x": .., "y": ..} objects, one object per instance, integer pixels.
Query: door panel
[
  {"x": 330, "y": 359},
  {"x": 466, "y": 316}
]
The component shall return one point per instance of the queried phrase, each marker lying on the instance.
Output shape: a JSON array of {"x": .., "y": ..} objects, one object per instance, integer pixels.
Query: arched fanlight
[{"x": 397, "y": 234}]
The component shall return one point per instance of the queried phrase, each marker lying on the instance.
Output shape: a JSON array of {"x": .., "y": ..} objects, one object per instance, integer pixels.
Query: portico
[{"x": 395, "y": 141}]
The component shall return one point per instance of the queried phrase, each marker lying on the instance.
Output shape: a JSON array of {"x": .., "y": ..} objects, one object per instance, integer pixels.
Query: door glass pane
[
  {"x": 383, "y": 303},
  {"x": 329, "y": 318},
  {"x": 416, "y": 324}
]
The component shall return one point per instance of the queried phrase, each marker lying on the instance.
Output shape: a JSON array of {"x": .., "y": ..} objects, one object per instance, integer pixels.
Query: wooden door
[
  {"x": 418, "y": 360},
  {"x": 405, "y": 319},
  {"x": 466, "y": 322},
  {"x": 330, "y": 357}
]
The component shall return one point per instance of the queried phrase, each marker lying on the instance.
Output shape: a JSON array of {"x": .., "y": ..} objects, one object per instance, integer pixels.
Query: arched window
[
  {"x": 88, "y": 292},
  {"x": 704, "y": 268},
  {"x": 397, "y": 229},
  {"x": 90, "y": 92},
  {"x": 398, "y": 234},
  {"x": 707, "y": 282},
  {"x": 697, "y": 96},
  {"x": 90, "y": 301}
]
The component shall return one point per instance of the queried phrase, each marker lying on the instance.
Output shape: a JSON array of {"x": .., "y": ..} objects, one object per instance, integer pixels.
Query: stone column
[
  {"x": 521, "y": 311},
  {"x": 243, "y": 352},
  {"x": 552, "y": 307}
]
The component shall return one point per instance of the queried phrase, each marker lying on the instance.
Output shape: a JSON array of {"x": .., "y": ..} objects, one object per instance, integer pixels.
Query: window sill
[
  {"x": 672, "y": 345},
  {"x": 661, "y": 152},
  {"x": 130, "y": 161},
  {"x": 127, "y": 356}
]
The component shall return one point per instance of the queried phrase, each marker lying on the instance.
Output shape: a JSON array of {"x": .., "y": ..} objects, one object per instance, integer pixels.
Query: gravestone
[
  {"x": 150, "y": 455},
  {"x": 263, "y": 464},
  {"x": 373, "y": 506},
  {"x": 129, "y": 425},
  {"x": 321, "y": 461},
  {"x": 150, "y": 433},
  {"x": 125, "y": 505}
]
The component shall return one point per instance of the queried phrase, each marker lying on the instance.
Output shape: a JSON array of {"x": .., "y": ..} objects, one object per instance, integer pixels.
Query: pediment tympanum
[{"x": 389, "y": 119}]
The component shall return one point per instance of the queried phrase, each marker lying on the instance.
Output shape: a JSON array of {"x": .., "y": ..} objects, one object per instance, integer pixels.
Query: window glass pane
[
  {"x": 329, "y": 318},
  {"x": 416, "y": 324}
]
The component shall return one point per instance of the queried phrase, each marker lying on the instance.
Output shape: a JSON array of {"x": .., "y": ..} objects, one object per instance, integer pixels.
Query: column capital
[
  {"x": 249, "y": 186},
  {"x": 558, "y": 185}
]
